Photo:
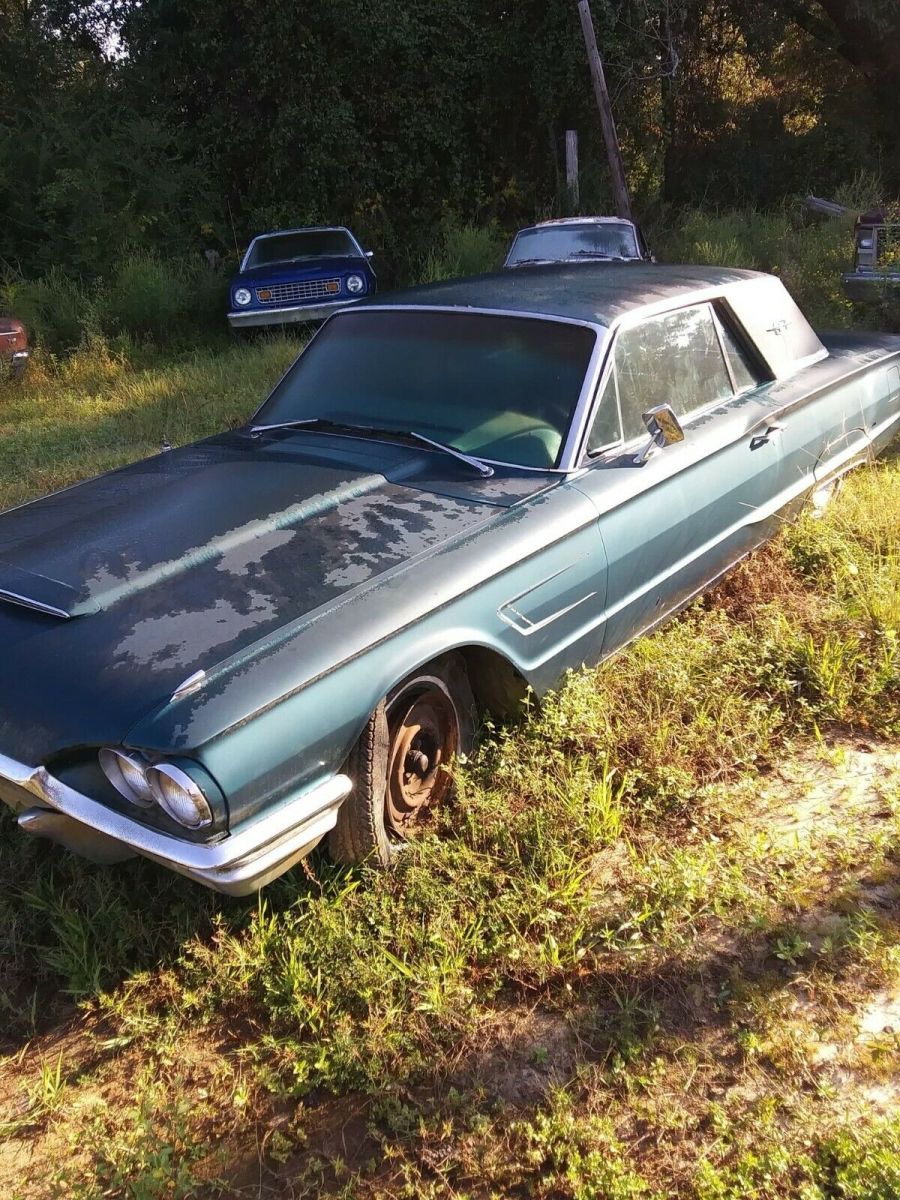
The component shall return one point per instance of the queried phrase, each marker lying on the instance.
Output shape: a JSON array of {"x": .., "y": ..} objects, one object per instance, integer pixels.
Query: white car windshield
[{"x": 561, "y": 243}]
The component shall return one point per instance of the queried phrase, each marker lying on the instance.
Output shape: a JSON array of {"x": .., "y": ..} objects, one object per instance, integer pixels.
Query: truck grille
[{"x": 296, "y": 293}]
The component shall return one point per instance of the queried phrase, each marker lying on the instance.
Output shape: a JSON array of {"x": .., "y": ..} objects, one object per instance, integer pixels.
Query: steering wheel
[{"x": 535, "y": 447}]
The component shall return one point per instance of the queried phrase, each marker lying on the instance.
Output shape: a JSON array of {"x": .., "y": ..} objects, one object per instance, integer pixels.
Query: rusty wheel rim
[{"x": 424, "y": 737}]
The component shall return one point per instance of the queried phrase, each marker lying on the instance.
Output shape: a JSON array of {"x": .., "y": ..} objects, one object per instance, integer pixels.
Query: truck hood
[{"x": 114, "y": 591}]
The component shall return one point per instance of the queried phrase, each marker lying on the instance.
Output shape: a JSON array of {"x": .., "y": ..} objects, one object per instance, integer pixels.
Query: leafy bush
[
  {"x": 145, "y": 297},
  {"x": 164, "y": 300},
  {"x": 462, "y": 249},
  {"x": 808, "y": 255},
  {"x": 57, "y": 310}
]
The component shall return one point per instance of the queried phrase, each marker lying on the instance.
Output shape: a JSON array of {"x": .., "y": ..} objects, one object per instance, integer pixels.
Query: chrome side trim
[
  {"x": 239, "y": 864},
  {"x": 529, "y": 627},
  {"x": 193, "y": 683},
  {"x": 36, "y": 605}
]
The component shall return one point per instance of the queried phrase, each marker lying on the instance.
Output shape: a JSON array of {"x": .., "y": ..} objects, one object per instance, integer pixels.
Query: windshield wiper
[
  {"x": 598, "y": 254},
  {"x": 323, "y": 425}
]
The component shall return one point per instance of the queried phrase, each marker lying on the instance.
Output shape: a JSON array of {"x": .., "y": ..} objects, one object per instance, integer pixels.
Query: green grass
[
  {"x": 610, "y": 969},
  {"x": 96, "y": 410}
]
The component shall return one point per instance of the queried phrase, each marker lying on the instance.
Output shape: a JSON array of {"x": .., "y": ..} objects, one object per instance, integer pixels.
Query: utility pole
[
  {"x": 608, "y": 124},
  {"x": 572, "y": 170}
]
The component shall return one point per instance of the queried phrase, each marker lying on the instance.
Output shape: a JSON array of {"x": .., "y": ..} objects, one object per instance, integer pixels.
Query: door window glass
[
  {"x": 674, "y": 359},
  {"x": 606, "y": 429},
  {"x": 743, "y": 368}
]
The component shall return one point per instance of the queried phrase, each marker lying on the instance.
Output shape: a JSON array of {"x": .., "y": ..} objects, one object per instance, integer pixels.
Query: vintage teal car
[{"x": 220, "y": 655}]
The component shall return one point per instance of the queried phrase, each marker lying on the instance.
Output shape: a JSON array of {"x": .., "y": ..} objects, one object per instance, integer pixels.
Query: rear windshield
[
  {"x": 559, "y": 243},
  {"x": 503, "y": 388},
  {"x": 286, "y": 247}
]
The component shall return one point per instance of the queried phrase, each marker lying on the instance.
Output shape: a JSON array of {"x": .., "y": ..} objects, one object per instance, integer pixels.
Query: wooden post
[
  {"x": 613, "y": 153},
  {"x": 572, "y": 170}
]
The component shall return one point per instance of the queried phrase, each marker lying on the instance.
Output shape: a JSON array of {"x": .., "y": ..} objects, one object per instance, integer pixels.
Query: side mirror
[
  {"x": 664, "y": 429},
  {"x": 370, "y": 254}
]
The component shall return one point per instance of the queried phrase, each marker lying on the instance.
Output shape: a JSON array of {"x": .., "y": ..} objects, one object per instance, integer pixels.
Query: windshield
[
  {"x": 558, "y": 243},
  {"x": 502, "y": 388},
  {"x": 310, "y": 243}
]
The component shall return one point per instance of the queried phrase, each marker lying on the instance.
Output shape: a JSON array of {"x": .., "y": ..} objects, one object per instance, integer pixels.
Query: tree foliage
[{"x": 175, "y": 126}]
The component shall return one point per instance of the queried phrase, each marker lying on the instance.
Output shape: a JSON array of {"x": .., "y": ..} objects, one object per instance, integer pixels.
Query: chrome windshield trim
[
  {"x": 289, "y": 822},
  {"x": 526, "y": 314},
  {"x": 568, "y": 451}
]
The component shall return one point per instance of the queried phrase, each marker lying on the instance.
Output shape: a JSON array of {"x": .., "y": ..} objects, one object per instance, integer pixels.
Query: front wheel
[{"x": 400, "y": 763}]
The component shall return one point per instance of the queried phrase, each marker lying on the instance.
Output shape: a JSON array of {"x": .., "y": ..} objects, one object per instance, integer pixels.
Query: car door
[{"x": 673, "y": 521}]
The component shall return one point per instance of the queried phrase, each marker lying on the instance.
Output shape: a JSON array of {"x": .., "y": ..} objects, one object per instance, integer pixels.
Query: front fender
[{"x": 529, "y": 589}]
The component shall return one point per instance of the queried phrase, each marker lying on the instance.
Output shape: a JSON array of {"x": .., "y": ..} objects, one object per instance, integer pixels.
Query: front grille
[{"x": 295, "y": 293}]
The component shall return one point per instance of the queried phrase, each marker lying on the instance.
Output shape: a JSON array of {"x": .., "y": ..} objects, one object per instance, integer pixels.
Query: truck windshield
[
  {"x": 502, "y": 388},
  {"x": 307, "y": 243}
]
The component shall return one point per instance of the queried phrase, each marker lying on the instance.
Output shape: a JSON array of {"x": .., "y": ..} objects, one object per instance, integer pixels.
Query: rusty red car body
[{"x": 13, "y": 345}]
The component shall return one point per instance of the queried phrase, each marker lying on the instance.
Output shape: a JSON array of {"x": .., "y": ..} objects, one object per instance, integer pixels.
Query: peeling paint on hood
[{"x": 182, "y": 560}]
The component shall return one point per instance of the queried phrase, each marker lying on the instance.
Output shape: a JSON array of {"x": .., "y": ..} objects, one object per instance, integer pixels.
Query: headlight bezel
[
  {"x": 360, "y": 284},
  {"x": 176, "y": 777},
  {"x": 113, "y": 765},
  {"x": 203, "y": 810},
  {"x": 242, "y": 296}
]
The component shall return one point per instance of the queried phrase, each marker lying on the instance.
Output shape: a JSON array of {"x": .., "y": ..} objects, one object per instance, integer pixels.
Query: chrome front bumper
[
  {"x": 287, "y": 316},
  {"x": 241, "y": 863}
]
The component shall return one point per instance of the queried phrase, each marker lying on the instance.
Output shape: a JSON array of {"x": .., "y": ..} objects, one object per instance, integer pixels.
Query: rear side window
[
  {"x": 746, "y": 375},
  {"x": 673, "y": 359}
]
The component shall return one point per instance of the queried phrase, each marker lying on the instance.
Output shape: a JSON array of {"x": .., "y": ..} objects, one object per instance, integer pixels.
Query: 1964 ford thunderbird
[{"x": 220, "y": 655}]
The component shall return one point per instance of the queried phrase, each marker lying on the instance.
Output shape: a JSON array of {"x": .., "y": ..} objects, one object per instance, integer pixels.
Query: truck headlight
[
  {"x": 242, "y": 296},
  {"x": 355, "y": 284},
  {"x": 179, "y": 796}
]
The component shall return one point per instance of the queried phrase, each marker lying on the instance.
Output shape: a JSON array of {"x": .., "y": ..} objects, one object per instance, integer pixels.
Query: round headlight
[
  {"x": 242, "y": 296},
  {"x": 127, "y": 774},
  {"x": 177, "y": 794},
  {"x": 355, "y": 284}
]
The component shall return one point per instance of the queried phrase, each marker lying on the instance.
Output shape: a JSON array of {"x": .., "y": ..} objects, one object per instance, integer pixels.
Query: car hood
[
  {"x": 115, "y": 591},
  {"x": 306, "y": 268}
]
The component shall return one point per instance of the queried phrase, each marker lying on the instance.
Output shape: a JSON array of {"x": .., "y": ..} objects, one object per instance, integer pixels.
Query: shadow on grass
[
  {"x": 70, "y": 930},
  {"x": 607, "y": 1026}
]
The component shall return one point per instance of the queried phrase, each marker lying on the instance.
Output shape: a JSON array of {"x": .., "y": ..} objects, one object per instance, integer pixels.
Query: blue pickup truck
[{"x": 297, "y": 275}]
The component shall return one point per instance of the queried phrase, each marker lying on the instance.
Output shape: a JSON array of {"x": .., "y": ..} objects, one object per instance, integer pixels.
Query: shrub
[
  {"x": 57, "y": 310},
  {"x": 144, "y": 297},
  {"x": 808, "y": 255},
  {"x": 165, "y": 301},
  {"x": 462, "y": 249}
]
